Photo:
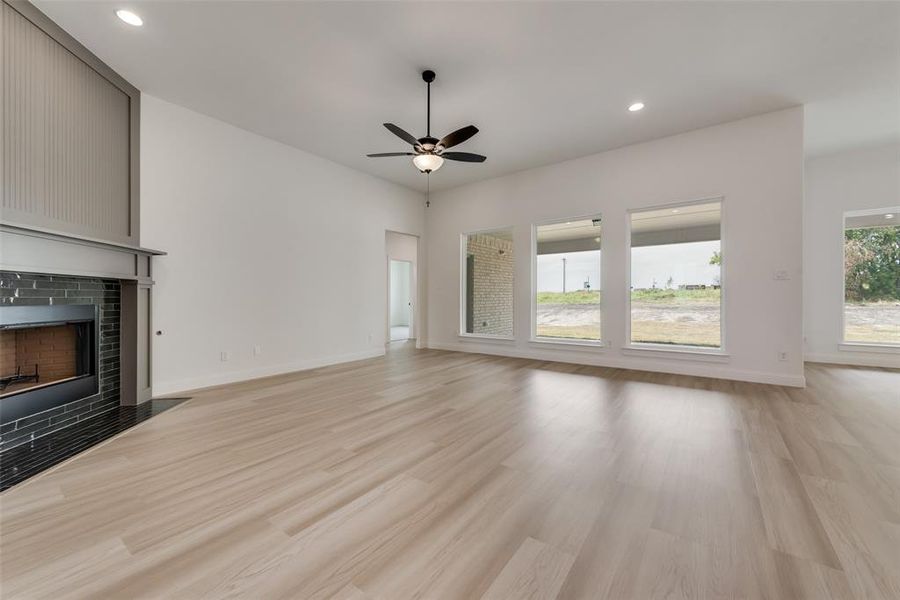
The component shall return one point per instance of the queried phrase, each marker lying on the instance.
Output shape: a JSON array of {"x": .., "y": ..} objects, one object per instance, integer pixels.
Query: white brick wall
[{"x": 493, "y": 284}]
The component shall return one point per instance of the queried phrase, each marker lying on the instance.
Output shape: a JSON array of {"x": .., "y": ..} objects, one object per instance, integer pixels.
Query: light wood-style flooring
[{"x": 430, "y": 474}]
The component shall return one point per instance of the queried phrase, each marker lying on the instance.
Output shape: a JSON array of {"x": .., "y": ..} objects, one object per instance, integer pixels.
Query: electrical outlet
[
  {"x": 257, "y": 350},
  {"x": 781, "y": 275},
  {"x": 782, "y": 355},
  {"x": 370, "y": 338},
  {"x": 223, "y": 356}
]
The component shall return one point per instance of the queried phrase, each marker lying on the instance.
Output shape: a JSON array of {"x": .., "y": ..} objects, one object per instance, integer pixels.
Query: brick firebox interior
[{"x": 49, "y": 350}]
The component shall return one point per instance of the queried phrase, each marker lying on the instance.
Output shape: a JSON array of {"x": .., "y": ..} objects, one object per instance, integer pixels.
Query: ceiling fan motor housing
[{"x": 428, "y": 143}]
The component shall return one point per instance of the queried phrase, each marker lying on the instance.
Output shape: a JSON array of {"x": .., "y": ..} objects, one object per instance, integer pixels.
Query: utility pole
[{"x": 564, "y": 275}]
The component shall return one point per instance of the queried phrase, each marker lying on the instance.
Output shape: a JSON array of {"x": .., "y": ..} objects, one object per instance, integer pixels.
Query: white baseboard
[
  {"x": 680, "y": 367},
  {"x": 856, "y": 359},
  {"x": 574, "y": 357},
  {"x": 213, "y": 379}
]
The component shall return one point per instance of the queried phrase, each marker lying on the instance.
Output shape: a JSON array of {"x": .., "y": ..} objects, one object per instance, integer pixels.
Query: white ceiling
[
  {"x": 570, "y": 230},
  {"x": 500, "y": 234},
  {"x": 664, "y": 219},
  {"x": 544, "y": 81},
  {"x": 889, "y": 217}
]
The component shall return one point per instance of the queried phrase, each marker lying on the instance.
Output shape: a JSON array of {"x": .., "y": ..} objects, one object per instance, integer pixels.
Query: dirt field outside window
[
  {"x": 685, "y": 317},
  {"x": 872, "y": 322}
]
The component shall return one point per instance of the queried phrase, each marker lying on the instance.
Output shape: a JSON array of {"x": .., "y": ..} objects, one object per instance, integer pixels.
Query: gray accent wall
[
  {"x": 68, "y": 153},
  {"x": 70, "y": 175}
]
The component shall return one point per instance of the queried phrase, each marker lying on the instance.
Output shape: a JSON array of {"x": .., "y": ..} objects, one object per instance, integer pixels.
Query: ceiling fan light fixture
[{"x": 428, "y": 163}]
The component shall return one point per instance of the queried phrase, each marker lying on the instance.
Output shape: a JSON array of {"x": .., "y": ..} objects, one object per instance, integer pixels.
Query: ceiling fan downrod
[{"x": 428, "y": 76}]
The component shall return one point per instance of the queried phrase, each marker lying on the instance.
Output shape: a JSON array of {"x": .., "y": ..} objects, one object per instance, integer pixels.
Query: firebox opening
[{"x": 38, "y": 356}]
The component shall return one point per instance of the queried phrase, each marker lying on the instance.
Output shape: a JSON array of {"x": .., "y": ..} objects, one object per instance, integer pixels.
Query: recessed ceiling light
[
  {"x": 675, "y": 210},
  {"x": 889, "y": 216},
  {"x": 636, "y": 106},
  {"x": 129, "y": 17}
]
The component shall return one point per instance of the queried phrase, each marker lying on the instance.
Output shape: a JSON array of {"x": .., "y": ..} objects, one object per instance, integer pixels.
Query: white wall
[
  {"x": 756, "y": 164},
  {"x": 855, "y": 180},
  {"x": 400, "y": 246},
  {"x": 268, "y": 246}
]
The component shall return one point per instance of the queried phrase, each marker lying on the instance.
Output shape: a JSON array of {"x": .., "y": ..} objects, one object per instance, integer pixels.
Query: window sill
[
  {"x": 866, "y": 347},
  {"x": 570, "y": 344},
  {"x": 679, "y": 352},
  {"x": 483, "y": 337}
]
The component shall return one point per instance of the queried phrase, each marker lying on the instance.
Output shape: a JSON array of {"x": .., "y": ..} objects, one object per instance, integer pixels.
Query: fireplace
[
  {"x": 48, "y": 357},
  {"x": 76, "y": 321}
]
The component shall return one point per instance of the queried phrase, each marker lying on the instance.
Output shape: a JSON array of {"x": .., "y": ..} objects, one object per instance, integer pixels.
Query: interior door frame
[
  {"x": 416, "y": 326},
  {"x": 412, "y": 308}
]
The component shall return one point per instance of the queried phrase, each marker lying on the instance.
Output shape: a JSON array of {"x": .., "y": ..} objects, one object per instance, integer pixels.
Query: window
[
  {"x": 676, "y": 261},
  {"x": 487, "y": 283},
  {"x": 872, "y": 276},
  {"x": 567, "y": 280}
]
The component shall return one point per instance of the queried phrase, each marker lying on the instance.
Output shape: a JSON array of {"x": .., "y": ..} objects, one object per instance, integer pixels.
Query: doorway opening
[
  {"x": 401, "y": 300},
  {"x": 402, "y": 279}
]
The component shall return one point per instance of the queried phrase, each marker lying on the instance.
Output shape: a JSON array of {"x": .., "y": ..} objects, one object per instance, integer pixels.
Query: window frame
[
  {"x": 674, "y": 349},
  {"x": 461, "y": 326},
  {"x": 844, "y": 344},
  {"x": 533, "y": 337}
]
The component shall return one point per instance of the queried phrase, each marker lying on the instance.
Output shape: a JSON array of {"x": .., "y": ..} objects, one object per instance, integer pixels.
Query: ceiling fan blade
[
  {"x": 403, "y": 135},
  {"x": 458, "y": 136},
  {"x": 464, "y": 156},
  {"x": 391, "y": 154}
]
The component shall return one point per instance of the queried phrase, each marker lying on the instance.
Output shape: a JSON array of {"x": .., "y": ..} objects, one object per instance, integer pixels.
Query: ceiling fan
[{"x": 430, "y": 152}]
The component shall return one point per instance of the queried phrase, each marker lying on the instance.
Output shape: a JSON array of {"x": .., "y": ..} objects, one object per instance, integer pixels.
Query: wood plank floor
[{"x": 431, "y": 474}]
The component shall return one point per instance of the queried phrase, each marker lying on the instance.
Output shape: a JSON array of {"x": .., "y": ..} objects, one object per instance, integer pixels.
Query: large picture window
[
  {"x": 487, "y": 283},
  {"x": 567, "y": 280},
  {"x": 872, "y": 277},
  {"x": 676, "y": 276}
]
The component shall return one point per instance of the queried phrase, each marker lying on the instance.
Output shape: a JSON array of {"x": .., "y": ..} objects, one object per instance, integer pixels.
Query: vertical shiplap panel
[{"x": 65, "y": 157}]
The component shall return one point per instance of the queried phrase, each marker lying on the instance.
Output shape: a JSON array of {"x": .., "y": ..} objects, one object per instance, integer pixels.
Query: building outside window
[{"x": 487, "y": 284}]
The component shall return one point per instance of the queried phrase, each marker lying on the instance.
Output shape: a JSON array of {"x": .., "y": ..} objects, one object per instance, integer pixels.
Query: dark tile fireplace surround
[{"x": 89, "y": 311}]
